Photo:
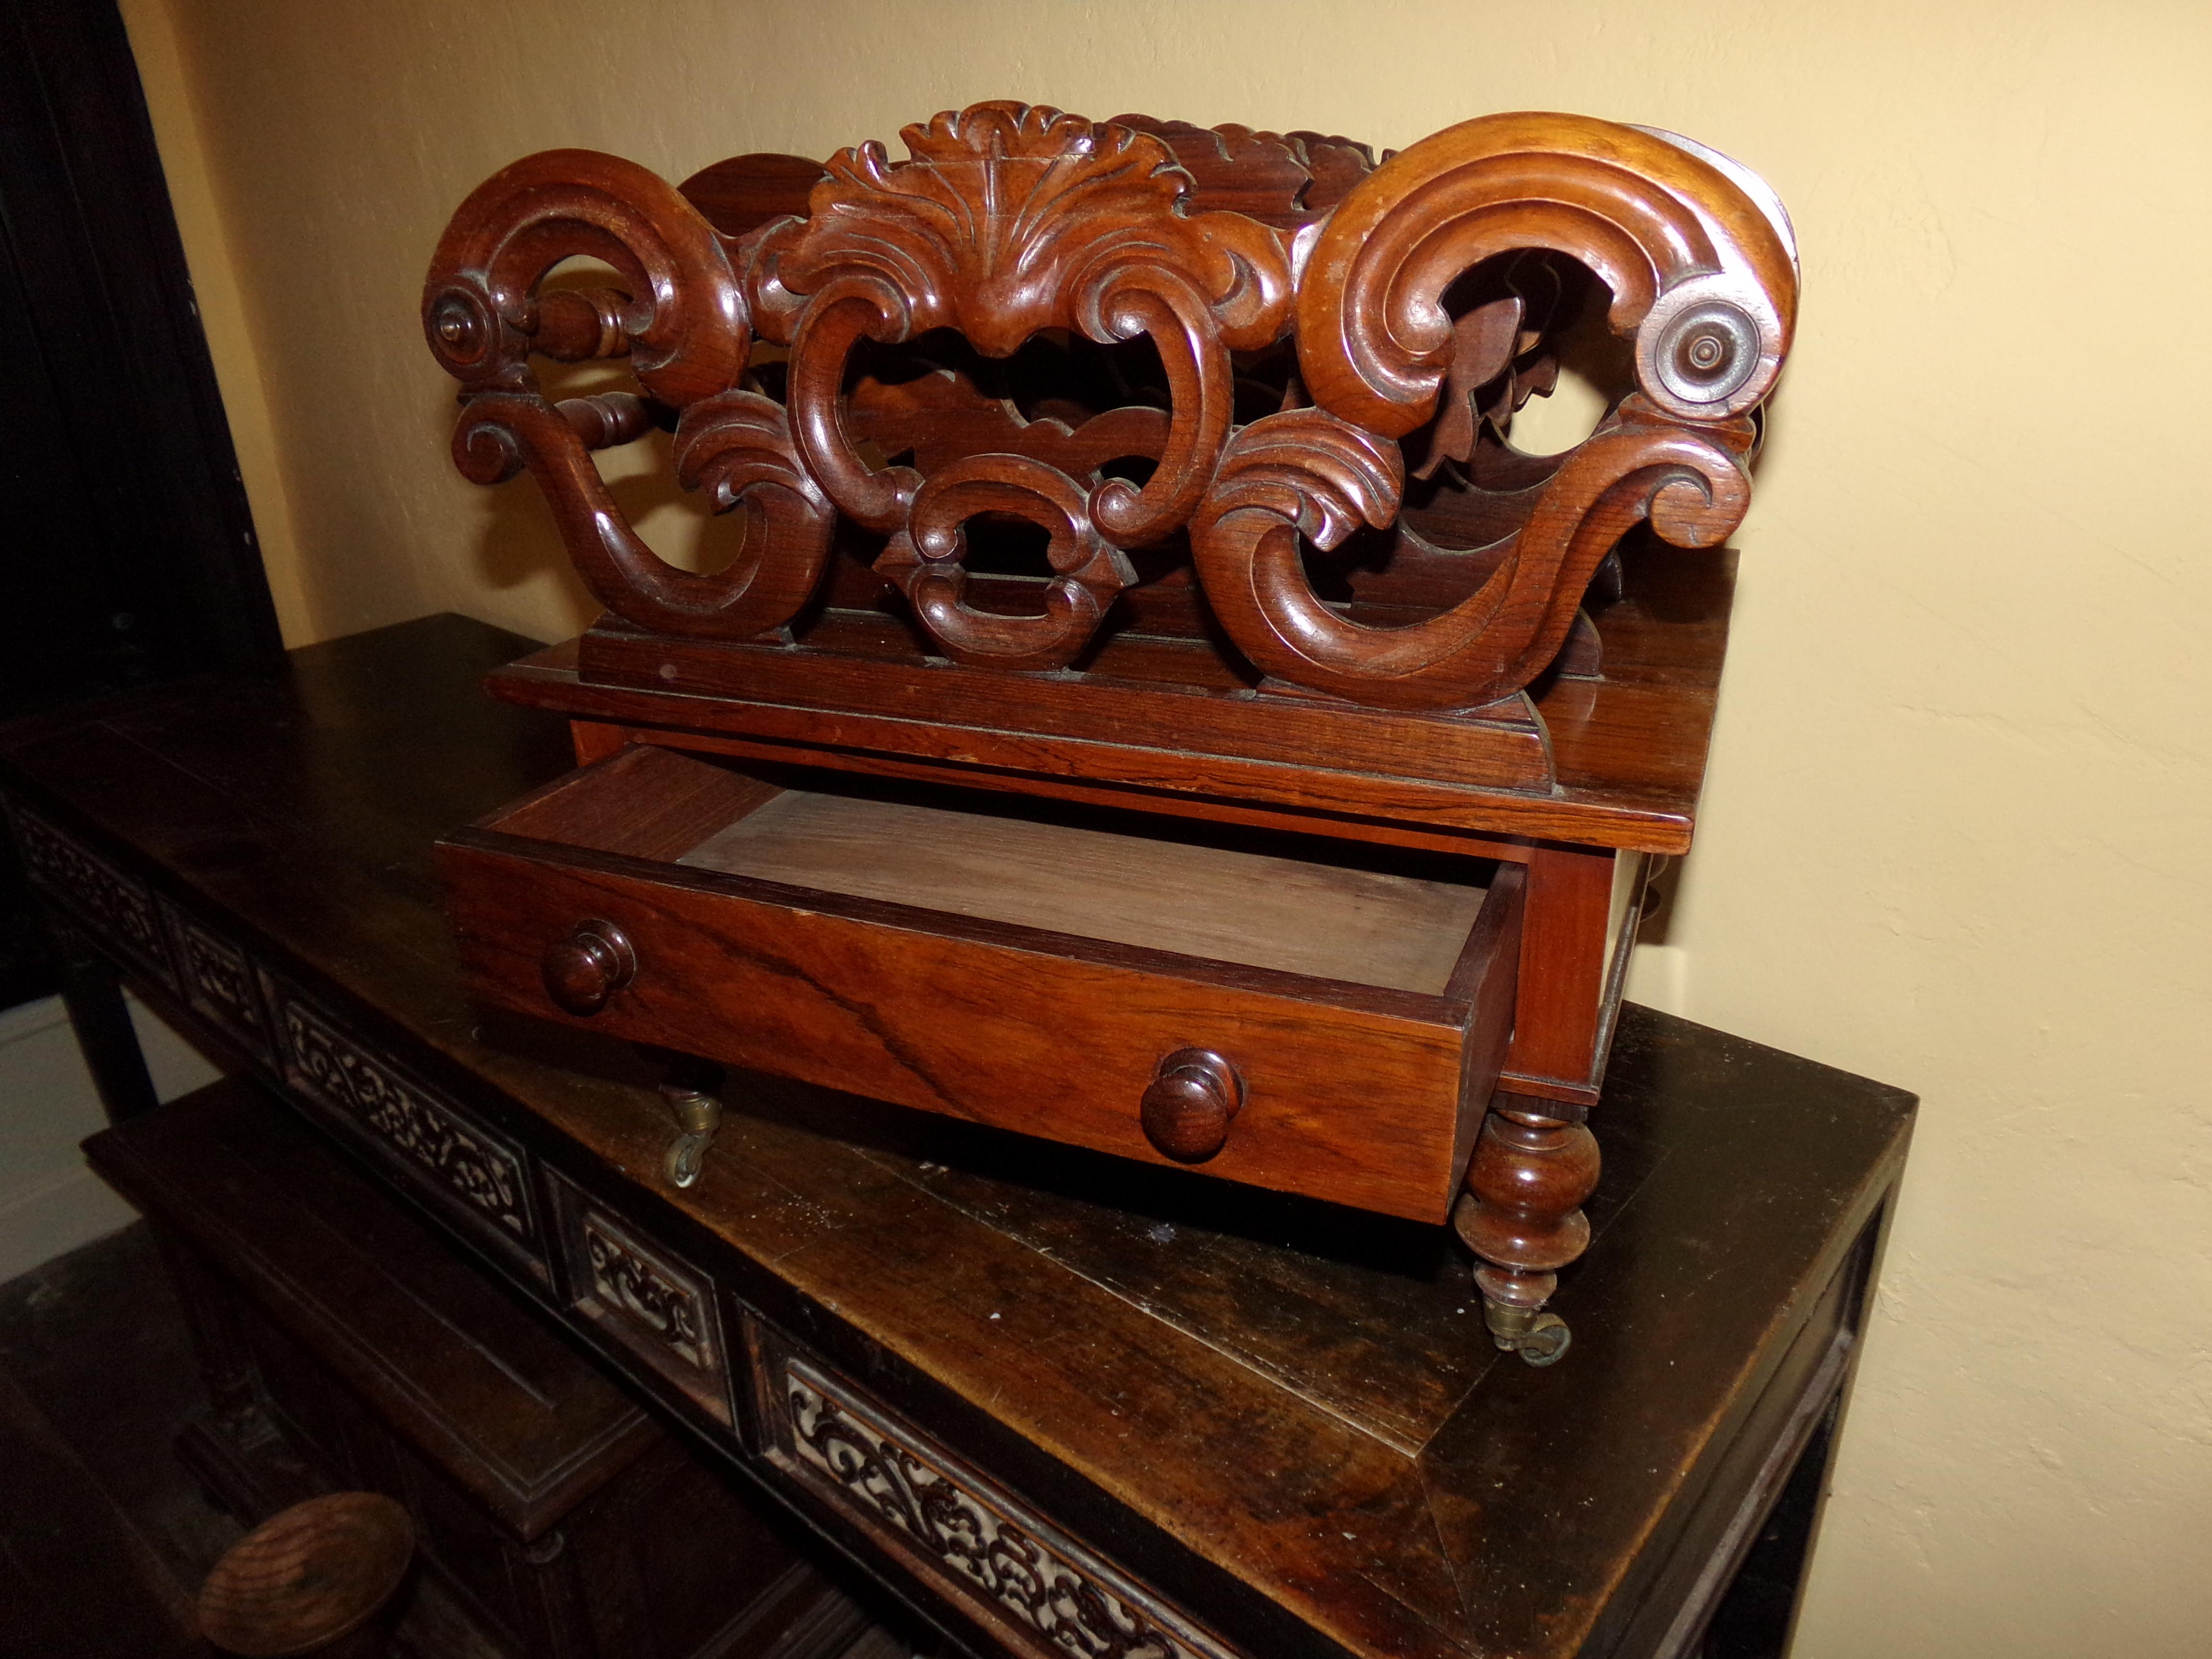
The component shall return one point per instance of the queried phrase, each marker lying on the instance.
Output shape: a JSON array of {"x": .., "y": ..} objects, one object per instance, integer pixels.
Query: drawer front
[
  {"x": 1017, "y": 1574},
  {"x": 1347, "y": 1096},
  {"x": 117, "y": 906},
  {"x": 644, "y": 1298},
  {"x": 467, "y": 1169},
  {"x": 218, "y": 981}
]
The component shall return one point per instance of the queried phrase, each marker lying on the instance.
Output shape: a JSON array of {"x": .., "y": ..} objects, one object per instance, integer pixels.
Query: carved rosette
[{"x": 1008, "y": 222}]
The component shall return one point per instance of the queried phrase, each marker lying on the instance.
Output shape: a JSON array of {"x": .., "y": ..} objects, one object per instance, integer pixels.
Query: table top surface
[{"x": 1301, "y": 1400}]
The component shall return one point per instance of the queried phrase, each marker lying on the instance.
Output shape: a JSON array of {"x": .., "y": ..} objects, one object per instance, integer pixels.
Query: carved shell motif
[{"x": 1010, "y": 219}]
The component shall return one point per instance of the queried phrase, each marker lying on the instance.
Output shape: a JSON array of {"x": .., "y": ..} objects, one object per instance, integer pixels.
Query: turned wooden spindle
[
  {"x": 607, "y": 418},
  {"x": 576, "y": 324},
  {"x": 310, "y": 1579},
  {"x": 1521, "y": 1216}
]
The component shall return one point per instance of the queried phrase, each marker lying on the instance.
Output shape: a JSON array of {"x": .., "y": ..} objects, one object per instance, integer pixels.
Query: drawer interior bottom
[{"x": 1326, "y": 920}]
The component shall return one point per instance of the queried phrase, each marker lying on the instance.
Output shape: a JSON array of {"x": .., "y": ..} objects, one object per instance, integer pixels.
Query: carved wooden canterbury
[{"x": 1197, "y": 361}]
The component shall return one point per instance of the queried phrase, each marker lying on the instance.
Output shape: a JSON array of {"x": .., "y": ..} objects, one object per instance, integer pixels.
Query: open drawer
[{"x": 1315, "y": 1016}]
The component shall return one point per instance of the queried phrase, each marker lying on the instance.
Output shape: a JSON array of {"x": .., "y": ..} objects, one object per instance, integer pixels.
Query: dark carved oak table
[{"x": 1062, "y": 1403}]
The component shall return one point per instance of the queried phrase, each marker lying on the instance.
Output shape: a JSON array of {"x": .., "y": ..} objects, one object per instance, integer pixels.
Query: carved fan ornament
[{"x": 1009, "y": 224}]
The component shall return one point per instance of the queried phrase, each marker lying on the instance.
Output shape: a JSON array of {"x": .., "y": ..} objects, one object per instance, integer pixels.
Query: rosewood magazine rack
[{"x": 1140, "y": 697}]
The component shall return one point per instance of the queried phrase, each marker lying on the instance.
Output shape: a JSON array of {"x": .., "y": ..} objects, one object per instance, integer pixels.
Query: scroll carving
[
  {"x": 1425, "y": 306},
  {"x": 1009, "y": 221},
  {"x": 1701, "y": 277},
  {"x": 688, "y": 341},
  {"x": 1284, "y": 179},
  {"x": 481, "y": 308},
  {"x": 1295, "y": 474},
  {"x": 924, "y": 560}
]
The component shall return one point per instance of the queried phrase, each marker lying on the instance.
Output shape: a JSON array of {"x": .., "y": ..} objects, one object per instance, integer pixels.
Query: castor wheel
[
  {"x": 311, "y": 1579},
  {"x": 1541, "y": 1338},
  {"x": 1545, "y": 1343}
]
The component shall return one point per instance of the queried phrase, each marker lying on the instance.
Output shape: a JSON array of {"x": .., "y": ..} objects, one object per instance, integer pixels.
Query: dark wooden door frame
[{"x": 127, "y": 550}]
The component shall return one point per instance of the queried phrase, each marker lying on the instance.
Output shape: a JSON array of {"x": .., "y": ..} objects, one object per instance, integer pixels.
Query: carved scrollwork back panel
[
  {"x": 1309, "y": 313},
  {"x": 682, "y": 322}
]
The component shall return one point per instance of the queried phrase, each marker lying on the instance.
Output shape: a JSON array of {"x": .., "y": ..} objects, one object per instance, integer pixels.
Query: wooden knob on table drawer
[
  {"x": 584, "y": 969},
  {"x": 1187, "y": 1109}
]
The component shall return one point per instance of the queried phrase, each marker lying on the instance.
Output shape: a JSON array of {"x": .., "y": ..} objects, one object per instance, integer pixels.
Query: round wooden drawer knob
[
  {"x": 590, "y": 965},
  {"x": 308, "y": 1577},
  {"x": 1189, "y": 1107}
]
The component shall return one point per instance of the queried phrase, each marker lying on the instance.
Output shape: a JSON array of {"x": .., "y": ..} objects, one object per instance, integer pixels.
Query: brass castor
[
  {"x": 1541, "y": 1338},
  {"x": 698, "y": 1115},
  {"x": 310, "y": 1579}
]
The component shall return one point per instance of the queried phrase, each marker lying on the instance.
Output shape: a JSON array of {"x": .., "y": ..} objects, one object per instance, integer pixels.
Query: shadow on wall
[{"x": 519, "y": 545}]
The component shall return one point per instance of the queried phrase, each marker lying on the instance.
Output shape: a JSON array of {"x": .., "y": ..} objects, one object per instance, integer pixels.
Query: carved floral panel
[
  {"x": 463, "y": 1159},
  {"x": 218, "y": 981},
  {"x": 121, "y": 908},
  {"x": 657, "y": 1307},
  {"x": 623, "y": 1276},
  {"x": 991, "y": 1546}
]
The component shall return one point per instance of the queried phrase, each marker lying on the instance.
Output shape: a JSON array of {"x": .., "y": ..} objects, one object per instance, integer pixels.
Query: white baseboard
[
  {"x": 54, "y": 1218},
  {"x": 49, "y": 1201}
]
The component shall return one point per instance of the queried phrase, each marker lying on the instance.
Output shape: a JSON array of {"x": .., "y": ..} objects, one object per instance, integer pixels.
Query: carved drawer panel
[
  {"x": 658, "y": 1307},
  {"x": 981, "y": 1546},
  {"x": 218, "y": 981},
  {"x": 118, "y": 907},
  {"x": 472, "y": 1172}
]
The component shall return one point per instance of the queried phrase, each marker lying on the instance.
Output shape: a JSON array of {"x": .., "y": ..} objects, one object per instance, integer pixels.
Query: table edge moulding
[{"x": 1143, "y": 470}]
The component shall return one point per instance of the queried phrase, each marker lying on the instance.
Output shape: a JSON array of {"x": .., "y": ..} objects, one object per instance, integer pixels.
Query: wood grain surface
[
  {"x": 1273, "y": 1410},
  {"x": 1294, "y": 915}
]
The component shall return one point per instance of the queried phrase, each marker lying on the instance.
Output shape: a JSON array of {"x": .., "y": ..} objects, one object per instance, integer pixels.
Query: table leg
[
  {"x": 93, "y": 994},
  {"x": 1521, "y": 1216}
]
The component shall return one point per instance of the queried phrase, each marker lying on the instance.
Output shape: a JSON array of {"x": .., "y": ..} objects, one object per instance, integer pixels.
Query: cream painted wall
[{"x": 1954, "y": 831}]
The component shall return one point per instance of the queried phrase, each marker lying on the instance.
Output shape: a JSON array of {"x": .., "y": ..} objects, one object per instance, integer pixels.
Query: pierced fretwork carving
[
  {"x": 218, "y": 981},
  {"x": 642, "y": 1296},
  {"x": 1016, "y": 1563},
  {"x": 324, "y": 1063},
  {"x": 623, "y": 1277},
  {"x": 118, "y": 906},
  {"x": 1010, "y": 224}
]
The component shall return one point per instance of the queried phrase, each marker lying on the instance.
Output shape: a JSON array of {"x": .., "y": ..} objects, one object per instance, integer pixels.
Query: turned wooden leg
[{"x": 1521, "y": 1216}]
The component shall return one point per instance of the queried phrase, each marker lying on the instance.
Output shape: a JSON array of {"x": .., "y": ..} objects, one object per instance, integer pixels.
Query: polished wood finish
[
  {"x": 924, "y": 986},
  {"x": 308, "y": 1577},
  {"x": 1144, "y": 461},
  {"x": 1279, "y": 1421},
  {"x": 1026, "y": 230},
  {"x": 1190, "y": 1103},
  {"x": 590, "y": 963}
]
